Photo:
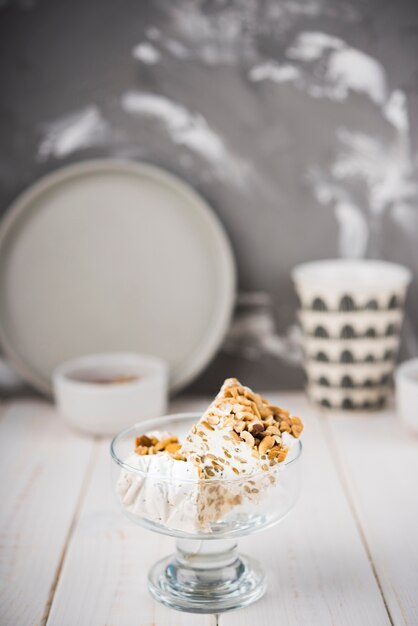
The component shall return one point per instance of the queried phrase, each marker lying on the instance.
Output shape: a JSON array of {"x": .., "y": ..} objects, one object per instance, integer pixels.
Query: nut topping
[
  {"x": 266, "y": 444},
  {"x": 144, "y": 440},
  {"x": 141, "y": 450},
  {"x": 272, "y": 430},
  {"x": 147, "y": 444},
  {"x": 241, "y": 416},
  {"x": 235, "y": 437},
  {"x": 239, "y": 427},
  {"x": 163, "y": 443},
  {"x": 246, "y": 436},
  {"x": 256, "y": 428}
]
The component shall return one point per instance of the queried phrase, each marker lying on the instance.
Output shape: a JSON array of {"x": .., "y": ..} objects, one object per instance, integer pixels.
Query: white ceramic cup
[
  {"x": 406, "y": 381},
  {"x": 104, "y": 393},
  {"x": 366, "y": 284},
  {"x": 351, "y": 316}
]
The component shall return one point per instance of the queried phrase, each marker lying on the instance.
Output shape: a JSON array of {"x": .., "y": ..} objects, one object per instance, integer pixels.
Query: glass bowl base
[{"x": 182, "y": 586}]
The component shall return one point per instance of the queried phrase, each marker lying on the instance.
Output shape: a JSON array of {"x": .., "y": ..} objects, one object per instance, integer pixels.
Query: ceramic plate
[{"x": 109, "y": 256}]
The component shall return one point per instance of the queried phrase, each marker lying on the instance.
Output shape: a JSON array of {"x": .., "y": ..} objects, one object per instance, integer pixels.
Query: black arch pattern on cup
[
  {"x": 391, "y": 330},
  {"x": 320, "y": 331},
  {"x": 346, "y": 356},
  {"x": 347, "y": 332},
  {"x": 323, "y": 381},
  {"x": 385, "y": 379},
  {"x": 372, "y": 305},
  {"x": 370, "y": 332},
  {"x": 321, "y": 356},
  {"x": 347, "y": 381},
  {"x": 369, "y": 358},
  {"x": 347, "y": 303},
  {"x": 393, "y": 302},
  {"x": 349, "y": 404},
  {"x": 389, "y": 354},
  {"x": 318, "y": 304},
  {"x": 368, "y": 383}
]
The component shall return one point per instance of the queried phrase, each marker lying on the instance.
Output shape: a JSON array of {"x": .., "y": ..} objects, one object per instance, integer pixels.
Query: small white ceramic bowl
[
  {"x": 102, "y": 394},
  {"x": 406, "y": 381}
]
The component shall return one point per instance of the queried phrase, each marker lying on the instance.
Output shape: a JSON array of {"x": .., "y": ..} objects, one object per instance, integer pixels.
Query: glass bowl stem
[{"x": 206, "y": 577}]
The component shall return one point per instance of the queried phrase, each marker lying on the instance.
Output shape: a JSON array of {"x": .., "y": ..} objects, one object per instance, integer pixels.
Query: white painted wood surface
[
  {"x": 379, "y": 464},
  {"x": 346, "y": 555},
  {"x": 104, "y": 578},
  {"x": 42, "y": 468},
  {"x": 319, "y": 572}
]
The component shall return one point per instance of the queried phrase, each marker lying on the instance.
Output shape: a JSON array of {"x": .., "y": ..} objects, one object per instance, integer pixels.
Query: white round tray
[{"x": 109, "y": 256}]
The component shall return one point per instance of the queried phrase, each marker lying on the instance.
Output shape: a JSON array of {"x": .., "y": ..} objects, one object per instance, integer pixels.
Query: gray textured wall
[{"x": 296, "y": 119}]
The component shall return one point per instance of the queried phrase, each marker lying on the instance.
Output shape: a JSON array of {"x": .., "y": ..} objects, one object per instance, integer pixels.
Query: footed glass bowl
[{"x": 206, "y": 575}]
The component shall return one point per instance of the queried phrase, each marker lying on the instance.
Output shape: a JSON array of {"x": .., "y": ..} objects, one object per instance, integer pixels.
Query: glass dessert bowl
[{"x": 215, "y": 487}]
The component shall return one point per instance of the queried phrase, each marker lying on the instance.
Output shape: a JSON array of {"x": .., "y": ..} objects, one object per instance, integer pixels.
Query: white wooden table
[{"x": 346, "y": 555}]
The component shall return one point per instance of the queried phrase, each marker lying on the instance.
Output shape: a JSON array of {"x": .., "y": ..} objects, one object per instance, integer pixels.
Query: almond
[
  {"x": 272, "y": 430},
  {"x": 297, "y": 426},
  {"x": 244, "y": 400},
  {"x": 163, "y": 443},
  {"x": 266, "y": 444},
  {"x": 269, "y": 421},
  {"x": 296, "y": 430},
  {"x": 245, "y": 415},
  {"x": 178, "y": 456},
  {"x": 141, "y": 450},
  {"x": 235, "y": 437},
  {"x": 239, "y": 427},
  {"x": 256, "y": 412},
  {"x": 282, "y": 454},
  {"x": 265, "y": 411},
  {"x": 273, "y": 453}
]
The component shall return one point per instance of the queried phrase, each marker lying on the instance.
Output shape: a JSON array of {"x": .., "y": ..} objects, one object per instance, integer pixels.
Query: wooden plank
[
  {"x": 42, "y": 467},
  {"x": 379, "y": 462},
  {"x": 104, "y": 577},
  {"x": 319, "y": 572}
]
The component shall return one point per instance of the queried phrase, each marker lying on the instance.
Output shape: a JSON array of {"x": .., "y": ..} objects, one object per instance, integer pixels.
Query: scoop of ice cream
[{"x": 160, "y": 489}]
